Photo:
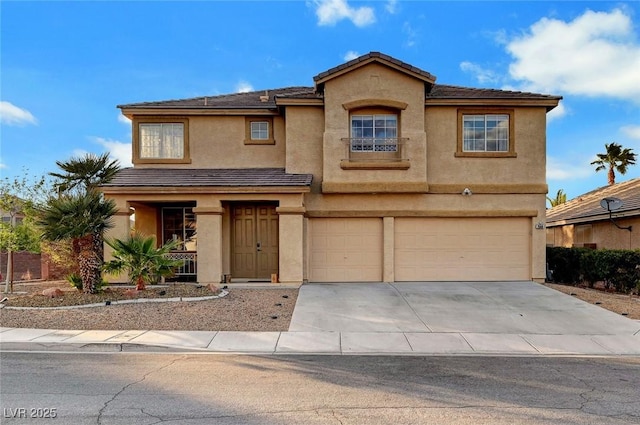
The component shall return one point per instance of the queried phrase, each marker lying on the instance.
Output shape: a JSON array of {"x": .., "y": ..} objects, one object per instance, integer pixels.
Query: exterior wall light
[{"x": 467, "y": 192}]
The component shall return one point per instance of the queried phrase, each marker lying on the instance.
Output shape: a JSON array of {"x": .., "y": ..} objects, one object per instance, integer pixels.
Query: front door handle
[{"x": 259, "y": 246}]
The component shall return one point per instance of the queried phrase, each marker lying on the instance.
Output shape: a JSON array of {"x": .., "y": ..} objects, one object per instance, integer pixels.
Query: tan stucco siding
[
  {"x": 304, "y": 126},
  {"x": 445, "y": 168},
  {"x": 604, "y": 234},
  {"x": 219, "y": 142},
  {"x": 371, "y": 86}
]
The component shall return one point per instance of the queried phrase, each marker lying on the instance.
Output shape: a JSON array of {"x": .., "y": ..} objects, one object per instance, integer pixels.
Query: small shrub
[{"x": 76, "y": 281}]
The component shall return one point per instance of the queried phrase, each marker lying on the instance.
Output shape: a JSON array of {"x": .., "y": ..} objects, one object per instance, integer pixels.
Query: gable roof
[
  {"x": 267, "y": 101},
  {"x": 369, "y": 58},
  {"x": 207, "y": 177},
  {"x": 586, "y": 208}
]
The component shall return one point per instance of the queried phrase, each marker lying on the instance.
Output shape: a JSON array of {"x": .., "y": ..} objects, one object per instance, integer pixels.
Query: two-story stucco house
[{"x": 376, "y": 173}]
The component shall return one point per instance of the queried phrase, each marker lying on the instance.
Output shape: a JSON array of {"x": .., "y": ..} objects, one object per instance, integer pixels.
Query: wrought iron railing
[
  {"x": 189, "y": 266},
  {"x": 375, "y": 148}
]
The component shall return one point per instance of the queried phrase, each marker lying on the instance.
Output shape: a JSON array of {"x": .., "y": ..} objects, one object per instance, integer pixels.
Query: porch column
[
  {"x": 120, "y": 230},
  {"x": 209, "y": 246},
  {"x": 291, "y": 244}
]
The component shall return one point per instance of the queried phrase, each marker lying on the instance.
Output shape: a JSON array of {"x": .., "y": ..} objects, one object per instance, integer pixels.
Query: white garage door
[
  {"x": 345, "y": 249},
  {"x": 433, "y": 249}
]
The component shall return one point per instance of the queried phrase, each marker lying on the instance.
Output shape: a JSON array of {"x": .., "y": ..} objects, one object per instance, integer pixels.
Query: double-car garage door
[{"x": 424, "y": 249}]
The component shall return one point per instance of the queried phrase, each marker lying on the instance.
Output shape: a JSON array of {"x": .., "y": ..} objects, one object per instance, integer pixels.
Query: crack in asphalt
[{"x": 123, "y": 389}]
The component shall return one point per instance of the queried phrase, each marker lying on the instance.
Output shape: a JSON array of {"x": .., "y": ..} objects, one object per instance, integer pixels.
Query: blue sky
[{"x": 66, "y": 65}]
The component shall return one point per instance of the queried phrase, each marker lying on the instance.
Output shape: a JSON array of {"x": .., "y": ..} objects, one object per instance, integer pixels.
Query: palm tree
[
  {"x": 560, "y": 198},
  {"x": 83, "y": 218},
  {"x": 139, "y": 257},
  {"x": 85, "y": 173},
  {"x": 615, "y": 159}
]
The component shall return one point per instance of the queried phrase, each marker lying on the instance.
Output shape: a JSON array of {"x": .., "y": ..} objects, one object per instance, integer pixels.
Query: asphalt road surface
[{"x": 142, "y": 388}]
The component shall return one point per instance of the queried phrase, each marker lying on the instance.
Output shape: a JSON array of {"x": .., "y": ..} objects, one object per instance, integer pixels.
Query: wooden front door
[{"x": 254, "y": 241}]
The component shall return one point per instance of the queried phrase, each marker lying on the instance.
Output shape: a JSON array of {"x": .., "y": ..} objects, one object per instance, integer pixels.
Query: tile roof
[
  {"x": 262, "y": 99},
  {"x": 210, "y": 177},
  {"x": 587, "y": 206},
  {"x": 443, "y": 91},
  {"x": 372, "y": 55}
]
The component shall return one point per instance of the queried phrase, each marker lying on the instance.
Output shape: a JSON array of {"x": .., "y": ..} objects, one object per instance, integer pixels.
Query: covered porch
[{"x": 231, "y": 224}]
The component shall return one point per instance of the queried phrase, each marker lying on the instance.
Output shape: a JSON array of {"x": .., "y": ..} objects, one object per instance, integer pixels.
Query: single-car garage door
[
  {"x": 345, "y": 249},
  {"x": 432, "y": 249}
]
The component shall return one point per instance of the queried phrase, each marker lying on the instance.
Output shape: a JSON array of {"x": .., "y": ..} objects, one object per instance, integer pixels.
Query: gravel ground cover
[
  {"x": 628, "y": 305},
  {"x": 253, "y": 309},
  {"x": 243, "y": 309}
]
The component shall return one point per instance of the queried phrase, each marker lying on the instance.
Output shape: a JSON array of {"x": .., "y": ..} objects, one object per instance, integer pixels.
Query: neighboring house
[
  {"x": 583, "y": 222},
  {"x": 376, "y": 173}
]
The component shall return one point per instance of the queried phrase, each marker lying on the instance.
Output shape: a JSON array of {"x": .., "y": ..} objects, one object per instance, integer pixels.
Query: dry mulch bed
[
  {"x": 628, "y": 305},
  {"x": 253, "y": 309}
]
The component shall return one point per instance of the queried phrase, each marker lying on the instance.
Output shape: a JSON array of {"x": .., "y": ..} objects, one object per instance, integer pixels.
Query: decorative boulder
[
  {"x": 131, "y": 293},
  {"x": 52, "y": 292},
  {"x": 214, "y": 288}
]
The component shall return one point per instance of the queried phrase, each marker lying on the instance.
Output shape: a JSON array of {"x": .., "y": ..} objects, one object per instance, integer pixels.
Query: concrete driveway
[{"x": 451, "y": 307}]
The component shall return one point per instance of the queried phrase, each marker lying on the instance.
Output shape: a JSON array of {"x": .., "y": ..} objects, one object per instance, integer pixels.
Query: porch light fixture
[{"x": 467, "y": 192}]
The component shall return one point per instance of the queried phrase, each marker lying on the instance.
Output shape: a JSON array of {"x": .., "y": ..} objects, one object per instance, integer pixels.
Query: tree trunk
[
  {"x": 612, "y": 176},
  {"x": 140, "y": 286},
  {"x": 90, "y": 265}
]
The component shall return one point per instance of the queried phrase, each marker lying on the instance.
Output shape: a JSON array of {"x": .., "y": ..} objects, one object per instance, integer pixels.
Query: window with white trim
[
  {"x": 374, "y": 133},
  {"x": 485, "y": 133},
  {"x": 161, "y": 140},
  {"x": 259, "y": 130}
]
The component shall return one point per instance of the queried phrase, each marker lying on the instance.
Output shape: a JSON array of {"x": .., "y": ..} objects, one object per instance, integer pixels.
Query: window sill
[
  {"x": 260, "y": 142},
  {"x": 370, "y": 165},
  {"x": 161, "y": 161},
  {"x": 486, "y": 155}
]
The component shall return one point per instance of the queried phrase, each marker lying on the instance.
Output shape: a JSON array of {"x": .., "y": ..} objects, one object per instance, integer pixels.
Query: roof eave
[{"x": 548, "y": 103}]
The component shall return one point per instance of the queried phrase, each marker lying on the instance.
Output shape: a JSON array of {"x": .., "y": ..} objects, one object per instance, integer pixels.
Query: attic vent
[{"x": 265, "y": 97}]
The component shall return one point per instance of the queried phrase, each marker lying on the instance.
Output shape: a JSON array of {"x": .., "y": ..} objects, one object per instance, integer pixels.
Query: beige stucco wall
[
  {"x": 304, "y": 127},
  {"x": 530, "y": 146},
  {"x": 219, "y": 142},
  {"x": 603, "y": 233},
  {"x": 373, "y": 82}
]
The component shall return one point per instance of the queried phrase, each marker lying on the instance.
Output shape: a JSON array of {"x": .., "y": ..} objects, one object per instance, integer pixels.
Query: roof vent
[
  {"x": 265, "y": 97},
  {"x": 205, "y": 101}
]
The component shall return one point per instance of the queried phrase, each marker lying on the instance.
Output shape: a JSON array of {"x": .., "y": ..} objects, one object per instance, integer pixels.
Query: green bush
[
  {"x": 618, "y": 269},
  {"x": 76, "y": 281}
]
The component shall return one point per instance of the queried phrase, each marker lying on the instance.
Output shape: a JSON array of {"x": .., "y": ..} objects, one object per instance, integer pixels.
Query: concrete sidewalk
[
  {"x": 417, "y": 318},
  {"x": 328, "y": 343}
]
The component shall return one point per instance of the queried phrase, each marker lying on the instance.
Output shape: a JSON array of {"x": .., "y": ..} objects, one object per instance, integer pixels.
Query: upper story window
[
  {"x": 374, "y": 133},
  {"x": 259, "y": 131},
  {"x": 485, "y": 133},
  {"x": 162, "y": 140},
  {"x": 159, "y": 140}
]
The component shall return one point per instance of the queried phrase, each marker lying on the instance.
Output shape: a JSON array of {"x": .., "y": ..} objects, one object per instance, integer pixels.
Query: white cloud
[
  {"x": 10, "y": 114},
  {"x": 350, "y": 55},
  {"x": 124, "y": 120},
  {"x": 483, "y": 75},
  {"x": 632, "y": 131},
  {"x": 391, "y": 6},
  {"x": 596, "y": 54},
  {"x": 243, "y": 87},
  {"x": 560, "y": 170},
  {"x": 2, "y": 165},
  {"x": 330, "y": 12},
  {"x": 117, "y": 150},
  {"x": 411, "y": 34}
]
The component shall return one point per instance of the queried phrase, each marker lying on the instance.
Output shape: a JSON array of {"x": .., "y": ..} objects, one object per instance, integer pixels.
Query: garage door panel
[
  {"x": 462, "y": 249},
  {"x": 345, "y": 249}
]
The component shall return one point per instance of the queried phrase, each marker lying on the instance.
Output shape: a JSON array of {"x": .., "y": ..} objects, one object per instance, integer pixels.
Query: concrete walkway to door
[{"x": 459, "y": 317}]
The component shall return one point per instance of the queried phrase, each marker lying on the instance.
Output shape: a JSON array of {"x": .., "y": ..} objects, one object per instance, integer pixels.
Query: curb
[{"x": 223, "y": 293}]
